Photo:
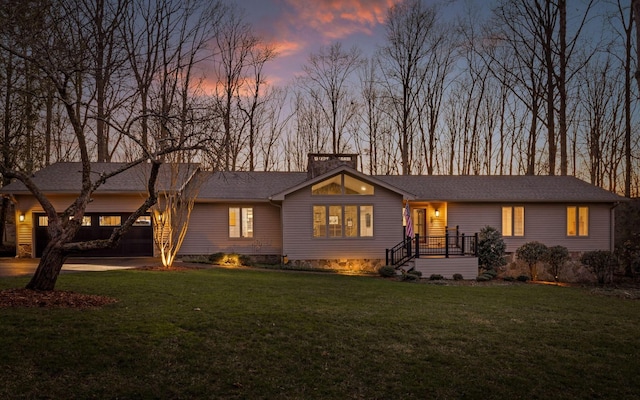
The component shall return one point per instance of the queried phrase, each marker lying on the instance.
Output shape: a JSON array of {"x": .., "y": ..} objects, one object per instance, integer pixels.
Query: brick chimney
[{"x": 319, "y": 163}]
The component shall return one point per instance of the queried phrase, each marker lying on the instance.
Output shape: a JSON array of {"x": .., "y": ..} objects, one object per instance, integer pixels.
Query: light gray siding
[
  {"x": 208, "y": 231},
  {"x": 544, "y": 222},
  {"x": 447, "y": 267},
  {"x": 299, "y": 243}
]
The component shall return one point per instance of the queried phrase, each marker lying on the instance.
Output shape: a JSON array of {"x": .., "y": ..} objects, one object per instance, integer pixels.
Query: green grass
[{"x": 275, "y": 335}]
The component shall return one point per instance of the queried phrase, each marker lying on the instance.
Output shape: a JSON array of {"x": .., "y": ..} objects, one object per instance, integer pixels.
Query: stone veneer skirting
[{"x": 24, "y": 251}]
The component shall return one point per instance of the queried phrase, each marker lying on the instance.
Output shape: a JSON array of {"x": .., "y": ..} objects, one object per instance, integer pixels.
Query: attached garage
[
  {"x": 137, "y": 242},
  {"x": 109, "y": 206}
]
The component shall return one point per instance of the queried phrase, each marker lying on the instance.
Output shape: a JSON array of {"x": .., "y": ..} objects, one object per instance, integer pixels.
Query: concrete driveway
[{"x": 11, "y": 266}]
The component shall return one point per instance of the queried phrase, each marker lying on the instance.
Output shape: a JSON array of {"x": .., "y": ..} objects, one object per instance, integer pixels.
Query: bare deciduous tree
[
  {"x": 58, "y": 50},
  {"x": 404, "y": 57},
  {"x": 327, "y": 82}
]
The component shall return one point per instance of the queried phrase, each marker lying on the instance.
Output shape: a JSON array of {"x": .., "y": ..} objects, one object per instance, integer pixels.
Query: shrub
[
  {"x": 508, "y": 279},
  {"x": 410, "y": 276},
  {"x": 231, "y": 259},
  {"x": 627, "y": 236},
  {"x": 531, "y": 253},
  {"x": 435, "y": 277},
  {"x": 602, "y": 263},
  {"x": 415, "y": 272},
  {"x": 491, "y": 248},
  {"x": 245, "y": 260},
  {"x": 628, "y": 253},
  {"x": 457, "y": 277},
  {"x": 216, "y": 258},
  {"x": 483, "y": 278},
  {"x": 522, "y": 278},
  {"x": 491, "y": 272},
  {"x": 387, "y": 271},
  {"x": 556, "y": 257}
]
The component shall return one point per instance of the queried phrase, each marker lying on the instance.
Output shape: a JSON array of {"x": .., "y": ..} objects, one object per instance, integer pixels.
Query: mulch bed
[{"x": 26, "y": 298}]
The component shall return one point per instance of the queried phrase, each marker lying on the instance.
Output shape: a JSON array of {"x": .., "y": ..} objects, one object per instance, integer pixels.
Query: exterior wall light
[
  {"x": 21, "y": 217},
  {"x": 437, "y": 213}
]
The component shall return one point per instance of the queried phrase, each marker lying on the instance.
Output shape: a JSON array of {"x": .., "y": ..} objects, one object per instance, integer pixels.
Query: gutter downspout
[
  {"x": 612, "y": 226},
  {"x": 282, "y": 255}
]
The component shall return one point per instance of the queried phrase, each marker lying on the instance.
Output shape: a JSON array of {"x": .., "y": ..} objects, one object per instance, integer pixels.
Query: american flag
[{"x": 408, "y": 229}]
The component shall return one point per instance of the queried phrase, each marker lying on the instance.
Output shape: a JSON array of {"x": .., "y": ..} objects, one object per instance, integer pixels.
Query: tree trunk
[
  {"x": 48, "y": 269},
  {"x": 562, "y": 88}
]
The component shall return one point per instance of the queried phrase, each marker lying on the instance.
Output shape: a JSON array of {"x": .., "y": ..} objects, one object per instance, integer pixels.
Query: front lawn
[{"x": 243, "y": 334}]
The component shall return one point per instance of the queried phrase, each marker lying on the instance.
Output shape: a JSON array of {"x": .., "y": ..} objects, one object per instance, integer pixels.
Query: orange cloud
[
  {"x": 336, "y": 19},
  {"x": 286, "y": 47}
]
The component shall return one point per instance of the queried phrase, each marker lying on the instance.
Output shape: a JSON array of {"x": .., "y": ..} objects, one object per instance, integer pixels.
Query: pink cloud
[{"x": 337, "y": 19}]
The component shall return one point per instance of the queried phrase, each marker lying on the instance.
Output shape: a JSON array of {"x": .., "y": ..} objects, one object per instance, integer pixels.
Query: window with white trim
[
  {"x": 513, "y": 221},
  {"x": 240, "y": 222}
]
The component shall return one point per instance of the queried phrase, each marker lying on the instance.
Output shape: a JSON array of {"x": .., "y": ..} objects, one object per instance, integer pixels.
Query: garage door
[{"x": 137, "y": 242}]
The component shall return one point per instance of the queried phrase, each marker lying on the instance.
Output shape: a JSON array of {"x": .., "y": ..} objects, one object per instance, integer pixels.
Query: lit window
[
  {"x": 350, "y": 221},
  {"x": 110, "y": 220},
  {"x": 143, "y": 220},
  {"x": 43, "y": 220},
  {"x": 319, "y": 221},
  {"x": 336, "y": 221},
  {"x": 512, "y": 221},
  {"x": 329, "y": 186},
  {"x": 356, "y": 186},
  {"x": 342, "y": 184},
  {"x": 86, "y": 220},
  {"x": 577, "y": 221},
  {"x": 240, "y": 222},
  {"x": 366, "y": 221}
]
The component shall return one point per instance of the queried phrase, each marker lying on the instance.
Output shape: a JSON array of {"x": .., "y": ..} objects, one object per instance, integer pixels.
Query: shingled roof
[
  {"x": 500, "y": 188},
  {"x": 247, "y": 185},
  {"x": 260, "y": 186},
  {"x": 66, "y": 177}
]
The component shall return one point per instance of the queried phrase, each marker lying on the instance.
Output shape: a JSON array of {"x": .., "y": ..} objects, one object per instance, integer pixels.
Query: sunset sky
[{"x": 300, "y": 27}]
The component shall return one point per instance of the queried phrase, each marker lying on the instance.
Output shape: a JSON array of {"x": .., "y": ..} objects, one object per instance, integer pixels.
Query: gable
[{"x": 355, "y": 183}]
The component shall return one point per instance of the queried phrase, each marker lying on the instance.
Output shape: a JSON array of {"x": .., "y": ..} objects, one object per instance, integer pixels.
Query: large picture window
[
  {"x": 240, "y": 222},
  {"x": 342, "y": 221},
  {"x": 577, "y": 221},
  {"x": 513, "y": 221}
]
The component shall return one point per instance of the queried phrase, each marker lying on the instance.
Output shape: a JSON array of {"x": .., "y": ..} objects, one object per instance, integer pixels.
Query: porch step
[{"x": 407, "y": 266}]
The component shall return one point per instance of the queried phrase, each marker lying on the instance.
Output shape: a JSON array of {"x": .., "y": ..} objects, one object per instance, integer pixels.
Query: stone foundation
[
  {"x": 349, "y": 266},
  {"x": 24, "y": 251}
]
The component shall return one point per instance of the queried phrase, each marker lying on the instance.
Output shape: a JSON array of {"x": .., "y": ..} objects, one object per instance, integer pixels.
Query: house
[
  {"x": 110, "y": 205},
  {"x": 334, "y": 216}
]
